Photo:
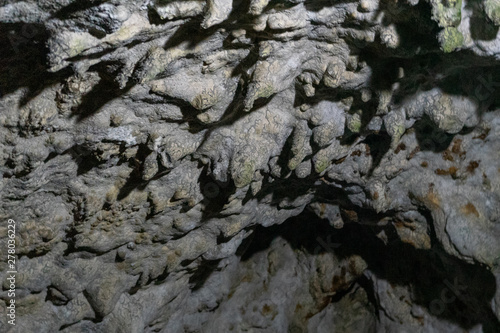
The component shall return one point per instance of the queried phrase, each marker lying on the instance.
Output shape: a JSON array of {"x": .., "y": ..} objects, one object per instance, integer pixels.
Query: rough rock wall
[{"x": 151, "y": 151}]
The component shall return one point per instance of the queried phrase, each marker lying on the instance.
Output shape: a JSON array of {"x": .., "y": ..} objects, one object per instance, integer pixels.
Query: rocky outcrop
[{"x": 262, "y": 166}]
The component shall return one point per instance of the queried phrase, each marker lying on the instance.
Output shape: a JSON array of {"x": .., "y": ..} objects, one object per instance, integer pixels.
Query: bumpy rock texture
[{"x": 251, "y": 166}]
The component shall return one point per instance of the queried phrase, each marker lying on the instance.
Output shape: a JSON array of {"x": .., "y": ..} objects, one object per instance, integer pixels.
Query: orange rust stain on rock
[
  {"x": 367, "y": 152},
  {"x": 351, "y": 215},
  {"x": 356, "y": 153},
  {"x": 483, "y": 135},
  {"x": 424, "y": 164},
  {"x": 447, "y": 156},
  {"x": 266, "y": 309},
  {"x": 413, "y": 153},
  {"x": 452, "y": 171},
  {"x": 322, "y": 209},
  {"x": 469, "y": 209},
  {"x": 402, "y": 224},
  {"x": 432, "y": 199},
  {"x": 472, "y": 166},
  {"x": 339, "y": 161},
  {"x": 457, "y": 146},
  {"x": 400, "y": 147}
]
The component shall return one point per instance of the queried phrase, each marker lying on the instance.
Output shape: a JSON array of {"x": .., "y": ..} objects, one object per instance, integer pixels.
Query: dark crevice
[{"x": 426, "y": 272}]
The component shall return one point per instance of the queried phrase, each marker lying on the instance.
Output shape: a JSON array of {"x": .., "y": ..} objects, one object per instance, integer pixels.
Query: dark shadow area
[
  {"x": 86, "y": 161},
  {"x": 154, "y": 18},
  {"x": 231, "y": 114},
  {"x": 75, "y": 7},
  {"x": 379, "y": 145},
  {"x": 449, "y": 288},
  {"x": 215, "y": 193},
  {"x": 56, "y": 297},
  {"x": 135, "y": 180},
  {"x": 23, "y": 60},
  {"x": 202, "y": 273},
  {"x": 189, "y": 31},
  {"x": 105, "y": 91},
  {"x": 284, "y": 190},
  {"x": 481, "y": 28},
  {"x": 285, "y": 155},
  {"x": 430, "y": 137},
  {"x": 192, "y": 31}
]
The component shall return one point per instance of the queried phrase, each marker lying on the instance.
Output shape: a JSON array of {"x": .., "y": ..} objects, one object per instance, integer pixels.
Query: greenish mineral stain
[
  {"x": 451, "y": 39},
  {"x": 354, "y": 123},
  {"x": 448, "y": 13},
  {"x": 492, "y": 9},
  {"x": 321, "y": 164},
  {"x": 244, "y": 175}
]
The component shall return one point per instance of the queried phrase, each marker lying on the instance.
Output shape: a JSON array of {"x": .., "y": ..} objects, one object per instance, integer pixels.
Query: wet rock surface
[{"x": 251, "y": 166}]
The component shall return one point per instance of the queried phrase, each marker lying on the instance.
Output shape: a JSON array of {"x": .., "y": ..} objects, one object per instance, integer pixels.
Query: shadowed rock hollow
[{"x": 251, "y": 165}]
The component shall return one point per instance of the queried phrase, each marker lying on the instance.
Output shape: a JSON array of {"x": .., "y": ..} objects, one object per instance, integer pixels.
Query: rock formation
[{"x": 251, "y": 166}]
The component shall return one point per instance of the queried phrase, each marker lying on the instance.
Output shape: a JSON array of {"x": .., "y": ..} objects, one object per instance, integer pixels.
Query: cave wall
[{"x": 251, "y": 166}]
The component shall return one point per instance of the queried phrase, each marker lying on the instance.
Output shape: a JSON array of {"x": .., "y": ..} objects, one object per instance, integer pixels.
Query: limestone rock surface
[{"x": 251, "y": 165}]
